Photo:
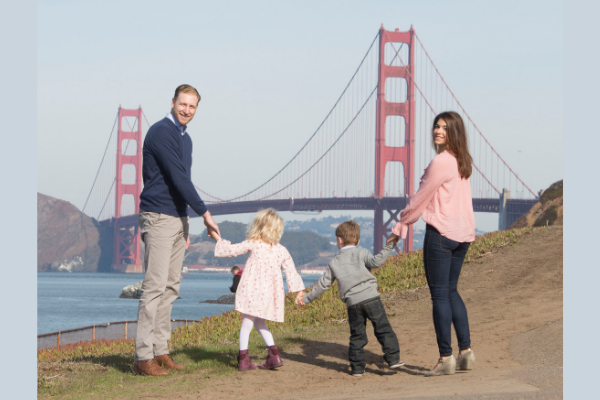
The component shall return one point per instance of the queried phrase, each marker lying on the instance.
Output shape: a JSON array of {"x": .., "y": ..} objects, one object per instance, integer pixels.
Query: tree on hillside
[
  {"x": 304, "y": 246},
  {"x": 235, "y": 232}
]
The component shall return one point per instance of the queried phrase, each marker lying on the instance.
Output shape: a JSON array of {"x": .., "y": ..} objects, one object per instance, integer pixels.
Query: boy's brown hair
[{"x": 349, "y": 232}]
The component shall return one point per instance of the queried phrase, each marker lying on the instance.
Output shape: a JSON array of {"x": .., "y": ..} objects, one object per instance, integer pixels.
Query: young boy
[{"x": 358, "y": 289}]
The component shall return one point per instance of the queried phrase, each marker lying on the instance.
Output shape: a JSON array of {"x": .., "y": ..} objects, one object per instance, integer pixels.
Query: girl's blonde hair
[{"x": 266, "y": 227}]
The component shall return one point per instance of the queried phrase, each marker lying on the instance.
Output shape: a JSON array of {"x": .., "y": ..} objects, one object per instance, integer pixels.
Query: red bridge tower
[
  {"x": 128, "y": 187},
  {"x": 383, "y": 153}
]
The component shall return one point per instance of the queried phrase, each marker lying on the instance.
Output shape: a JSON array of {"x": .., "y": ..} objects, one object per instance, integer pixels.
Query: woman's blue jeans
[{"x": 443, "y": 259}]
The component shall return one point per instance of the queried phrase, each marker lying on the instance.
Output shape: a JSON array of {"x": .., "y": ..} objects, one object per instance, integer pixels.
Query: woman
[{"x": 444, "y": 200}]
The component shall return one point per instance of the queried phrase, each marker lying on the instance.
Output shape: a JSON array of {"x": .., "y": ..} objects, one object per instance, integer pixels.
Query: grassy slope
[{"x": 210, "y": 347}]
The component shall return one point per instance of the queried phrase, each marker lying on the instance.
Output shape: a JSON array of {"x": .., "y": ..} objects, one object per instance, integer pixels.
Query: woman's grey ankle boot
[
  {"x": 466, "y": 361},
  {"x": 448, "y": 367}
]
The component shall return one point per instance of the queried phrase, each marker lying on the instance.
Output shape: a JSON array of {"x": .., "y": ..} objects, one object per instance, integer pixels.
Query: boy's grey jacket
[{"x": 355, "y": 282}]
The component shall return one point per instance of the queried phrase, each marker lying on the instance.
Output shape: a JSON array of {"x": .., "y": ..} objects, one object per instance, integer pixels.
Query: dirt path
[{"x": 514, "y": 299}]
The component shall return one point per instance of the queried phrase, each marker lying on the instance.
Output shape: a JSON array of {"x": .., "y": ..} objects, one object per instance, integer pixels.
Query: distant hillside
[
  {"x": 325, "y": 226},
  {"x": 304, "y": 246},
  {"x": 547, "y": 211},
  {"x": 67, "y": 236}
]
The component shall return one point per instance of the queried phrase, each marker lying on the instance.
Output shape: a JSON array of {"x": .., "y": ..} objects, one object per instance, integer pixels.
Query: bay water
[{"x": 73, "y": 300}]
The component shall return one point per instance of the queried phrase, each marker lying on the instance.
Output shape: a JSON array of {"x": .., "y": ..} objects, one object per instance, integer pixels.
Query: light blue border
[
  {"x": 19, "y": 200},
  {"x": 581, "y": 139}
]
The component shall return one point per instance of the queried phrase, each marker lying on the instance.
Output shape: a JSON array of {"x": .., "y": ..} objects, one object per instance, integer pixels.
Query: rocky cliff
[
  {"x": 69, "y": 240},
  {"x": 547, "y": 211}
]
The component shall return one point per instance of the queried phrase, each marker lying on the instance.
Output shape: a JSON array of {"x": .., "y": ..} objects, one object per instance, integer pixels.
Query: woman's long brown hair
[{"x": 458, "y": 143}]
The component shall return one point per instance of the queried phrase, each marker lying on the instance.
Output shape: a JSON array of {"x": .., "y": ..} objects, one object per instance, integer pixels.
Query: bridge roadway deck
[{"x": 513, "y": 206}]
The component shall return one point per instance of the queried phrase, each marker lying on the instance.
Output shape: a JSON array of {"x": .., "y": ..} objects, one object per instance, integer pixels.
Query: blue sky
[{"x": 270, "y": 71}]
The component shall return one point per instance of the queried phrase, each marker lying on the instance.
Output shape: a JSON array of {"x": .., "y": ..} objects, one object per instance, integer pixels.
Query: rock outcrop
[
  {"x": 226, "y": 299},
  {"x": 65, "y": 233},
  {"x": 73, "y": 264},
  {"x": 132, "y": 291},
  {"x": 547, "y": 211}
]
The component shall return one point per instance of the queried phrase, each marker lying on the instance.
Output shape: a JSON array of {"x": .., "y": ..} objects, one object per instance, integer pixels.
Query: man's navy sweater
[{"x": 166, "y": 170}]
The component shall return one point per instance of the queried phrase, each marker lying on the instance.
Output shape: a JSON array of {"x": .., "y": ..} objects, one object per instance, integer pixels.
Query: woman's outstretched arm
[{"x": 438, "y": 172}]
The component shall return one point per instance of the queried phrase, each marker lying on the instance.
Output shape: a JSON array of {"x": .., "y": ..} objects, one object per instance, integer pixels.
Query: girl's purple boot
[
  {"x": 273, "y": 359},
  {"x": 244, "y": 363}
]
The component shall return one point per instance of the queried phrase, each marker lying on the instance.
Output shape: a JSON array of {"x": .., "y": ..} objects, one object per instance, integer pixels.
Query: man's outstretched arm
[{"x": 166, "y": 151}]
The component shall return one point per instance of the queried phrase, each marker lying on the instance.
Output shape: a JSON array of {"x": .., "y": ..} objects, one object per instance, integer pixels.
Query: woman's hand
[
  {"x": 393, "y": 238},
  {"x": 299, "y": 299}
]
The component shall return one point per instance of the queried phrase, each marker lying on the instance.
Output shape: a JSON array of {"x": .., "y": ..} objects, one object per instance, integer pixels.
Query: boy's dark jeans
[
  {"x": 358, "y": 314},
  {"x": 443, "y": 259}
]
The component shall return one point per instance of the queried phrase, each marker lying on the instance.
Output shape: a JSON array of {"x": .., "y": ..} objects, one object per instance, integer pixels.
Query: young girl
[{"x": 260, "y": 294}]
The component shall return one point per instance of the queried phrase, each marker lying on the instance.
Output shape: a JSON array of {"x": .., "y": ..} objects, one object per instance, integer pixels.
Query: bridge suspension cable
[
  {"x": 434, "y": 112},
  {"x": 310, "y": 162},
  {"x": 110, "y": 191},
  {"x": 101, "y": 162},
  {"x": 309, "y": 140},
  {"x": 446, "y": 103},
  {"x": 328, "y": 150},
  {"x": 100, "y": 202},
  {"x": 473, "y": 124}
]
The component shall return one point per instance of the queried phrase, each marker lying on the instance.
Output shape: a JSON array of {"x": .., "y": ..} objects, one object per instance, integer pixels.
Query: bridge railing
[{"x": 108, "y": 331}]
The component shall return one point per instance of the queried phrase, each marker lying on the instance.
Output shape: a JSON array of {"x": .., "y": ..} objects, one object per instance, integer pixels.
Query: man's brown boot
[
  {"x": 166, "y": 361},
  {"x": 148, "y": 368}
]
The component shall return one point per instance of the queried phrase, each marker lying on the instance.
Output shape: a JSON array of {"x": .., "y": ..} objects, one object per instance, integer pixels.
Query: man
[{"x": 168, "y": 190}]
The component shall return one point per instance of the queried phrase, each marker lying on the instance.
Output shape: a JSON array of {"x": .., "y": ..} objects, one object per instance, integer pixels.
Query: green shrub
[
  {"x": 548, "y": 216},
  {"x": 553, "y": 192}
]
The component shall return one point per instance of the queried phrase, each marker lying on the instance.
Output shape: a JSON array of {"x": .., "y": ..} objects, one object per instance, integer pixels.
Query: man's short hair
[
  {"x": 349, "y": 232},
  {"x": 234, "y": 268},
  {"x": 188, "y": 89}
]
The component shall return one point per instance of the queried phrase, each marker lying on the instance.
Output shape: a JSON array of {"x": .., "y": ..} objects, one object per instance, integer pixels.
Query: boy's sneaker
[
  {"x": 358, "y": 373},
  {"x": 397, "y": 365}
]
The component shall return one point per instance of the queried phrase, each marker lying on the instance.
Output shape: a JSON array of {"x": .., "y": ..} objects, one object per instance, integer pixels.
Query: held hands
[
  {"x": 211, "y": 226},
  {"x": 299, "y": 299},
  {"x": 214, "y": 235},
  {"x": 393, "y": 239}
]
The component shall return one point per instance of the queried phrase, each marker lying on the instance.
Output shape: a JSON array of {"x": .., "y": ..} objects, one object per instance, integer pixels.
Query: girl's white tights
[{"x": 250, "y": 321}]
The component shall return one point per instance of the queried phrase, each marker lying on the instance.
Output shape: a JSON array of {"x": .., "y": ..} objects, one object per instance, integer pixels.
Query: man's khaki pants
[{"x": 165, "y": 238}]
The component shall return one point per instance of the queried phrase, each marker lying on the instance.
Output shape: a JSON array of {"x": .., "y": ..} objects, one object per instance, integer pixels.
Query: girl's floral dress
[{"x": 260, "y": 292}]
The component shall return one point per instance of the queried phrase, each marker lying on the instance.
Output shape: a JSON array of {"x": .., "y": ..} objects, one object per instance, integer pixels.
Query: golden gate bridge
[{"x": 367, "y": 153}]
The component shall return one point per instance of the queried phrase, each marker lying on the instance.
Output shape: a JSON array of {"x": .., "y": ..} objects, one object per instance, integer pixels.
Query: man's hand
[
  {"x": 299, "y": 299},
  {"x": 187, "y": 245},
  {"x": 393, "y": 238},
  {"x": 211, "y": 225}
]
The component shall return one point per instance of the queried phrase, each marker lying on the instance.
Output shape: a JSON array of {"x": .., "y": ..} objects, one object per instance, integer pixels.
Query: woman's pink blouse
[{"x": 444, "y": 200}]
